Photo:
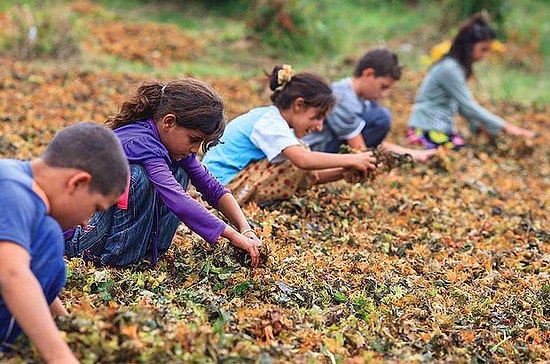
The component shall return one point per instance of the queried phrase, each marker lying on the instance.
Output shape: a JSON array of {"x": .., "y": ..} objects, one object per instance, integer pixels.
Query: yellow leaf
[{"x": 130, "y": 330}]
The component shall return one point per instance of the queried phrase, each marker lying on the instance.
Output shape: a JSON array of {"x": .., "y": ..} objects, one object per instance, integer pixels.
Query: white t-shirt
[{"x": 260, "y": 133}]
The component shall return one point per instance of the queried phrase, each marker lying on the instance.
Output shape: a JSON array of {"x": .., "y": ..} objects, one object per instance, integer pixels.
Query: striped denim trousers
[{"x": 118, "y": 237}]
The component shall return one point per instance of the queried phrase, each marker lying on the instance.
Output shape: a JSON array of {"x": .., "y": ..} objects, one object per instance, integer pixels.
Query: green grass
[
  {"x": 498, "y": 82},
  {"x": 189, "y": 15},
  {"x": 409, "y": 28},
  {"x": 355, "y": 26},
  {"x": 529, "y": 18}
]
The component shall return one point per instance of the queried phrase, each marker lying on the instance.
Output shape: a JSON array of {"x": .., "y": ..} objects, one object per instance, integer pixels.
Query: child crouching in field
[
  {"x": 444, "y": 93},
  {"x": 161, "y": 128},
  {"x": 82, "y": 170},
  {"x": 261, "y": 157},
  {"x": 358, "y": 120}
]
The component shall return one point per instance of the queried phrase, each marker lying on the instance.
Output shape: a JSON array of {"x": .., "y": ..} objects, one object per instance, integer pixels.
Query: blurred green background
[{"x": 244, "y": 37}]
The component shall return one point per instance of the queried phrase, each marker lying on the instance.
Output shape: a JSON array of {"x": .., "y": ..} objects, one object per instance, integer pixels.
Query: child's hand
[
  {"x": 363, "y": 161},
  {"x": 249, "y": 243},
  {"x": 251, "y": 234},
  {"x": 518, "y": 131}
]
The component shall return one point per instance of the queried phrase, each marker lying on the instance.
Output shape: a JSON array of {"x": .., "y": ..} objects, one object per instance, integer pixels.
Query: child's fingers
[
  {"x": 255, "y": 255},
  {"x": 252, "y": 235}
]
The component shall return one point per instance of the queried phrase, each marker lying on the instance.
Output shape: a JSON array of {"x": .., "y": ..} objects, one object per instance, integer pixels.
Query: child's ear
[
  {"x": 369, "y": 72},
  {"x": 169, "y": 120},
  {"x": 299, "y": 103},
  {"x": 79, "y": 180}
]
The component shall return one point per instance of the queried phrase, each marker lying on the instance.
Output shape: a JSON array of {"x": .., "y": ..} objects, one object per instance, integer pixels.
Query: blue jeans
[
  {"x": 118, "y": 237},
  {"x": 9, "y": 330},
  {"x": 377, "y": 125}
]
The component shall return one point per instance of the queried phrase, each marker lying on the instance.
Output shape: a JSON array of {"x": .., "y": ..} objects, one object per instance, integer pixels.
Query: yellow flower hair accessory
[{"x": 284, "y": 75}]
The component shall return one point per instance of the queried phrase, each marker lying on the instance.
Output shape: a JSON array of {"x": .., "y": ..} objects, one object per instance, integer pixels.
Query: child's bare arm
[
  {"x": 329, "y": 174},
  {"x": 305, "y": 159},
  {"x": 518, "y": 131},
  {"x": 230, "y": 208},
  {"x": 357, "y": 142},
  {"x": 25, "y": 300}
]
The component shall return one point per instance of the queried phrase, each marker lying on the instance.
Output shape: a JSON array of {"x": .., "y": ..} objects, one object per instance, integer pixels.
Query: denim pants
[
  {"x": 117, "y": 237},
  {"x": 377, "y": 125},
  {"x": 9, "y": 330}
]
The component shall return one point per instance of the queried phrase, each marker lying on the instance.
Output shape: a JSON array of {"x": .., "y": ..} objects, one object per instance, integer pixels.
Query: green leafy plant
[
  {"x": 289, "y": 25},
  {"x": 38, "y": 31},
  {"x": 456, "y": 11}
]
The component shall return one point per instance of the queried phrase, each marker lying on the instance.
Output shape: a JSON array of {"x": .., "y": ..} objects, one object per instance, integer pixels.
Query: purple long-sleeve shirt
[{"x": 142, "y": 145}]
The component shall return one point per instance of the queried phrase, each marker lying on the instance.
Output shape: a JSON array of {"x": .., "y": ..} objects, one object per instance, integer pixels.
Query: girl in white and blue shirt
[{"x": 261, "y": 157}]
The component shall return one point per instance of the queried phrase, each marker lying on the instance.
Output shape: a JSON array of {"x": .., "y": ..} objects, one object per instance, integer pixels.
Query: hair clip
[{"x": 284, "y": 76}]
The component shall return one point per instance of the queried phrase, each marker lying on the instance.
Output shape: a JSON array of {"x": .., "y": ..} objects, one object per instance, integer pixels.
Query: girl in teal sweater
[{"x": 444, "y": 93}]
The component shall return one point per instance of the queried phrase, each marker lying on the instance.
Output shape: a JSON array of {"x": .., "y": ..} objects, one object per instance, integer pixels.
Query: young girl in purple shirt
[{"x": 161, "y": 128}]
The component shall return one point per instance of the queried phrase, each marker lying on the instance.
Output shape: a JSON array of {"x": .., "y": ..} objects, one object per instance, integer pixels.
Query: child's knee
[
  {"x": 379, "y": 119},
  {"x": 140, "y": 185}
]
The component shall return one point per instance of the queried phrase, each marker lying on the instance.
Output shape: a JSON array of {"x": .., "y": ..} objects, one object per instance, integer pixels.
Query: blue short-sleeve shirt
[{"x": 25, "y": 221}]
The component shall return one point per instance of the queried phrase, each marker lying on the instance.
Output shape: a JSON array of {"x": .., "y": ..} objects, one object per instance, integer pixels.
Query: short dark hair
[
  {"x": 382, "y": 60},
  {"x": 92, "y": 148}
]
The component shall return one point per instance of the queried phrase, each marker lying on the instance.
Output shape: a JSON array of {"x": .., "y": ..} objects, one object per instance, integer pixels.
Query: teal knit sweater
[{"x": 444, "y": 93}]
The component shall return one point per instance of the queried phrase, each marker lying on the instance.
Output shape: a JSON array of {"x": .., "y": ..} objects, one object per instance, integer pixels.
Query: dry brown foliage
[{"x": 444, "y": 261}]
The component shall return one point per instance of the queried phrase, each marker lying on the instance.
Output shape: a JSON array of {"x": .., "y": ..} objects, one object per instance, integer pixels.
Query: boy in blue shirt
[{"x": 82, "y": 170}]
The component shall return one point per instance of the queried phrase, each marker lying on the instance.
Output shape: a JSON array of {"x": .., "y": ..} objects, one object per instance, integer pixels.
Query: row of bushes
[
  {"x": 281, "y": 25},
  {"x": 299, "y": 25}
]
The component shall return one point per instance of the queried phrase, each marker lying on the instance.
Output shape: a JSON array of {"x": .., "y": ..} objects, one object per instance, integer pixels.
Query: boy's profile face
[
  {"x": 77, "y": 205},
  {"x": 374, "y": 88}
]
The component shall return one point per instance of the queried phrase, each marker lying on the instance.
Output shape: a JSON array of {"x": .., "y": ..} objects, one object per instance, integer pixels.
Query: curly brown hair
[{"x": 194, "y": 103}]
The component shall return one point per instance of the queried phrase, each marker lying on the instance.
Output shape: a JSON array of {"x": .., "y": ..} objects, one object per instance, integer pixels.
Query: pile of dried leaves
[{"x": 444, "y": 261}]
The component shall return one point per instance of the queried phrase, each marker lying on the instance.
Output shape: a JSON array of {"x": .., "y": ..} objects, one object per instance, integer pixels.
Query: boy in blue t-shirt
[{"x": 82, "y": 170}]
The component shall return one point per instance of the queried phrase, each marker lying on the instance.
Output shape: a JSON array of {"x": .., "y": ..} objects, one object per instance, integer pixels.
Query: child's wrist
[{"x": 249, "y": 230}]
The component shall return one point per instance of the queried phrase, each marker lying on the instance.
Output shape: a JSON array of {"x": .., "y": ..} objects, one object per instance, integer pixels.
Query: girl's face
[
  {"x": 179, "y": 141},
  {"x": 304, "y": 119},
  {"x": 481, "y": 50}
]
